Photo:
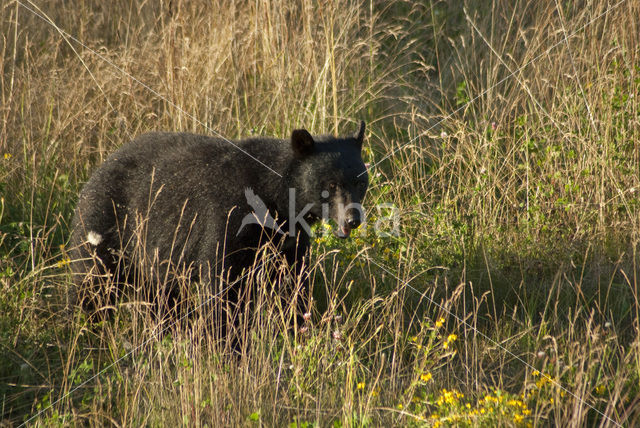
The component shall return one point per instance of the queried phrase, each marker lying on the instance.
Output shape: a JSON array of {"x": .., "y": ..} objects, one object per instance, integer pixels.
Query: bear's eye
[{"x": 333, "y": 186}]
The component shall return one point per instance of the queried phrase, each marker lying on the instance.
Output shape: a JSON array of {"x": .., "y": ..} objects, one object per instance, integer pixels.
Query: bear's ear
[
  {"x": 302, "y": 142},
  {"x": 360, "y": 134}
]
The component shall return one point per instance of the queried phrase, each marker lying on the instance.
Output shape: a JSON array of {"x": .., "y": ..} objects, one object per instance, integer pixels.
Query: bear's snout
[{"x": 353, "y": 219}]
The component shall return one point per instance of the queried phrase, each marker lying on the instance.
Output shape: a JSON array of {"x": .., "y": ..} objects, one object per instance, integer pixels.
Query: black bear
[{"x": 204, "y": 206}]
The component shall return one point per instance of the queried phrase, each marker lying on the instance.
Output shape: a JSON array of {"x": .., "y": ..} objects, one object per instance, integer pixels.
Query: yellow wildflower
[
  {"x": 360, "y": 385},
  {"x": 8, "y": 155},
  {"x": 426, "y": 377},
  {"x": 543, "y": 381},
  {"x": 65, "y": 261},
  {"x": 440, "y": 322}
]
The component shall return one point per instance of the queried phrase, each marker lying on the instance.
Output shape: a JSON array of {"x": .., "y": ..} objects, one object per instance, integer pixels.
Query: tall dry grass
[{"x": 508, "y": 135}]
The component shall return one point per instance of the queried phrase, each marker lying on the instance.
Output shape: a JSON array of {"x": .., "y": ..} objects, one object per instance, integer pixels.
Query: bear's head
[{"x": 330, "y": 179}]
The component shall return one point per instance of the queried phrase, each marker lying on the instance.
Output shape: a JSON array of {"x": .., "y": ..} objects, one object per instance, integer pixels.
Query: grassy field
[{"x": 505, "y": 135}]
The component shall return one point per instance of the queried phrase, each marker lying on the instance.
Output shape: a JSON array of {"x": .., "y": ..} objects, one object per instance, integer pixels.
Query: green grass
[{"x": 509, "y": 296}]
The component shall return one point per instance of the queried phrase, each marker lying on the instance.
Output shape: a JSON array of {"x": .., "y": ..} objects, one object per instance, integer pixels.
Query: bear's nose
[{"x": 353, "y": 221}]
